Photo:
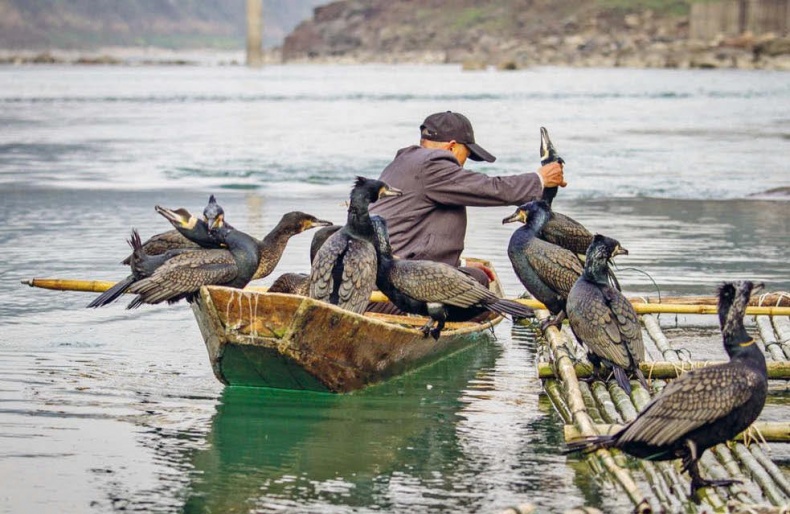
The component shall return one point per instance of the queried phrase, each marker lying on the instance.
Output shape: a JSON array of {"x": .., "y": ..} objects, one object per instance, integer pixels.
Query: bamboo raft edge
[
  {"x": 770, "y": 431},
  {"x": 672, "y": 305},
  {"x": 777, "y": 370}
]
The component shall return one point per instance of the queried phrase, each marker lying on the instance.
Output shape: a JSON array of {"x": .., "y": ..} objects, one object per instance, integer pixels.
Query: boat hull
[{"x": 284, "y": 341}]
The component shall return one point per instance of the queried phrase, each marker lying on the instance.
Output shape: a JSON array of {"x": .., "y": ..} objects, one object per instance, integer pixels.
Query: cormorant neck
[
  {"x": 739, "y": 345},
  {"x": 596, "y": 270},
  {"x": 358, "y": 221},
  {"x": 537, "y": 221}
]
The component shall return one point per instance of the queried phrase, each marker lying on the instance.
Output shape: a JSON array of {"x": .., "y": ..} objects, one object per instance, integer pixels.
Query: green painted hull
[{"x": 259, "y": 339}]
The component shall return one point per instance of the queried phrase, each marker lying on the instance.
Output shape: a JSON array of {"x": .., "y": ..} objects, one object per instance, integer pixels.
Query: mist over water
[{"x": 111, "y": 409}]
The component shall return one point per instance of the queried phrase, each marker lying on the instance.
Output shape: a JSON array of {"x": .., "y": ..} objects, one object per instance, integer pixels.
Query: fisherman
[{"x": 429, "y": 220}]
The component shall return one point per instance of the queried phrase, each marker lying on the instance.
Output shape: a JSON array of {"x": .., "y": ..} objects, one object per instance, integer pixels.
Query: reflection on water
[
  {"x": 268, "y": 449},
  {"x": 111, "y": 409}
]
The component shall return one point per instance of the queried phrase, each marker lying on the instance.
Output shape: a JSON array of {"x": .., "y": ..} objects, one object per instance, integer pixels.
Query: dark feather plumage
[
  {"x": 602, "y": 318},
  {"x": 189, "y": 232},
  {"x": 182, "y": 276},
  {"x": 547, "y": 271},
  {"x": 433, "y": 288},
  {"x": 703, "y": 407},
  {"x": 343, "y": 271}
]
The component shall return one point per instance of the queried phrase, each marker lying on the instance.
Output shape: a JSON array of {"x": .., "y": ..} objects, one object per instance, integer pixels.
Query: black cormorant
[
  {"x": 189, "y": 231},
  {"x": 433, "y": 289},
  {"x": 299, "y": 283},
  {"x": 343, "y": 272},
  {"x": 181, "y": 276},
  {"x": 703, "y": 407},
  {"x": 602, "y": 318},
  {"x": 546, "y": 270},
  {"x": 143, "y": 264},
  {"x": 548, "y": 153},
  {"x": 271, "y": 247}
]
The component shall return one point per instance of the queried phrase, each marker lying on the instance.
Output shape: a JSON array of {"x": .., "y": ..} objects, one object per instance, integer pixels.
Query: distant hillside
[
  {"x": 519, "y": 33},
  {"x": 177, "y": 24}
]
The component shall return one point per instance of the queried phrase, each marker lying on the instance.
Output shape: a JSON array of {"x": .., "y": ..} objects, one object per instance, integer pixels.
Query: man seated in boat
[{"x": 428, "y": 221}]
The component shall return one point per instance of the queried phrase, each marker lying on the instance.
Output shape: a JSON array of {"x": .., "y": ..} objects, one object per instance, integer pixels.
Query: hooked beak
[
  {"x": 215, "y": 223},
  {"x": 619, "y": 250},
  {"x": 319, "y": 223},
  {"x": 174, "y": 217},
  {"x": 389, "y": 191},
  {"x": 519, "y": 215}
]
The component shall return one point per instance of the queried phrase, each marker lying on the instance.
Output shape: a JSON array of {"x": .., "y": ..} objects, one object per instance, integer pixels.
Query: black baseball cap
[{"x": 453, "y": 126}]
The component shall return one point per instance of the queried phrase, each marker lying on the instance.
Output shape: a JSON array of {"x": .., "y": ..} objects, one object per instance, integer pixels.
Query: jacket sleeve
[{"x": 447, "y": 183}]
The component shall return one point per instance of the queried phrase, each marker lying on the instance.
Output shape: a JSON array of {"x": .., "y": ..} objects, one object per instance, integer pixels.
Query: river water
[{"x": 109, "y": 409}]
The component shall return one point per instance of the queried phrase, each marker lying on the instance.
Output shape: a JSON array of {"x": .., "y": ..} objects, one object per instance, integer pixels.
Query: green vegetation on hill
[{"x": 88, "y": 24}]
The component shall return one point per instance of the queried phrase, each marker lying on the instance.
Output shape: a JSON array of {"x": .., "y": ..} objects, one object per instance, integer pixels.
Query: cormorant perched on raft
[
  {"x": 143, "y": 265},
  {"x": 181, "y": 276},
  {"x": 602, "y": 318},
  {"x": 189, "y": 232},
  {"x": 703, "y": 407},
  {"x": 343, "y": 272},
  {"x": 299, "y": 283},
  {"x": 546, "y": 270},
  {"x": 433, "y": 289}
]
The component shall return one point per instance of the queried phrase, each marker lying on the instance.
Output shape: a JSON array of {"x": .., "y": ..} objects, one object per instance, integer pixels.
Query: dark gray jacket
[{"x": 429, "y": 220}]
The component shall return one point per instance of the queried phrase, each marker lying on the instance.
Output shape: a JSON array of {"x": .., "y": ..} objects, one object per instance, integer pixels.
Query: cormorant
[
  {"x": 189, "y": 231},
  {"x": 433, "y": 289},
  {"x": 143, "y": 264},
  {"x": 548, "y": 153},
  {"x": 560, "y": 229},
  {"x": 273, "y": 244},
  {"x": 343, "y": 272},
  {"x": 181, "y": 276},
  {"x": 299, "y": 283},
  {"x": 546, "y": 270},
  {"x": 602, "y": 318},
  {"x": 703, "y": 407}
]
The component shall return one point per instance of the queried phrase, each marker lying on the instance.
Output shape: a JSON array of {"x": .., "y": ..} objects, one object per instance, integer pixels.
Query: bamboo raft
[{"x": 598, "y": 408}]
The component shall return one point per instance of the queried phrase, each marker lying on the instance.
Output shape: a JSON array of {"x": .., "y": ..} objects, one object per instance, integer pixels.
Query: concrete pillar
[{"x": 254, "y": 33}]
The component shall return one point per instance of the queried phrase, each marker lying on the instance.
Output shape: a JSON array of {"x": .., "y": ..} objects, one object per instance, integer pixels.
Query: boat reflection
[{"x": 275, "y": 449}]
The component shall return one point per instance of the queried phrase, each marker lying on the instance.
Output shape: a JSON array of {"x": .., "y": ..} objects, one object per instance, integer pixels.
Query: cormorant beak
[
  {"x": 389, "y": 191},
  {"x": 519, "y": 215},
  {"x": 547, "y": 151},
  {"x": 316, "y": 223},
  {"x": 619, "y": 250},
  {"x": 215, "y": 223},
  {"x": 757, "y": 287},
  {"x": 177, "y": 217}
]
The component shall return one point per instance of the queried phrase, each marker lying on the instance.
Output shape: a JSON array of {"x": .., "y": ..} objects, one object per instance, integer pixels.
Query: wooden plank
[{"x": 771, "y": 431}]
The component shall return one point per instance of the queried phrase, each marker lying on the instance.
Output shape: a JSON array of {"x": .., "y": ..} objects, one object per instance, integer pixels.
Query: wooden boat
[{"x": 284, "y": 341}]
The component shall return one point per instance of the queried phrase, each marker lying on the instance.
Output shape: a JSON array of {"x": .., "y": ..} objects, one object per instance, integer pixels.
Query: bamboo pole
[
  {"x": 782, "y": 330},
  {"x": 770, "y": 344},
  {"x": 653, "y": 329},
  {"x": 99, "y": 286},
  {"x": 759, "y": 475},
  {"x": 772, "y": 431},
  {"x": 582, "y": 420},
  {"x": 664, "y": 369},
  {"x": 772, "y": 469}
]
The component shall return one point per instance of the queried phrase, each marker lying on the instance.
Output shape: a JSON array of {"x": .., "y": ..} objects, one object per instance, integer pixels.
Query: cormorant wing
[
  {"x": 597, "y": 326},
  {"x": 430, "y": 281},
  {"x": 351, "y": 263},
  {"x": 693, "y": 400},
  {"x": 557, "y": 267},
  {"x": 627, "y": 322},
  {"x": 161, "y": 243},
  {"x": 185, "y": 273}
]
